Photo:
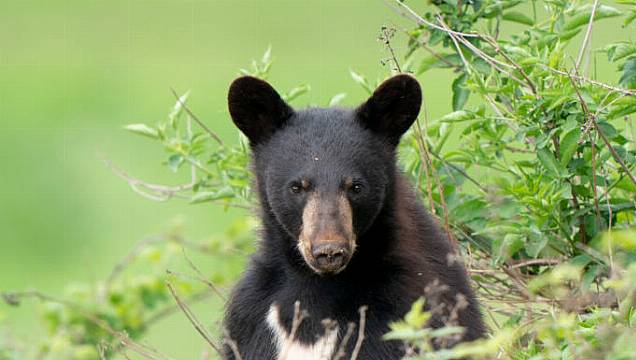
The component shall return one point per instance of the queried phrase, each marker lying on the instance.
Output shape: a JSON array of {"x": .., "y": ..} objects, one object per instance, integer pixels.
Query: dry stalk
[
  {"x": 592, "y": 119},
  {"x": 203, "y": 278},
  {"x": 196, "y": 119},
  {"x": 299, "y": 316},
  {"x": 342, "y": 348},
  {"x": 227, "y": 340},
  {"x": 193, "y": 319},
  {"x": 361, "y": 328},
  {"x": 588, "y": 36}
]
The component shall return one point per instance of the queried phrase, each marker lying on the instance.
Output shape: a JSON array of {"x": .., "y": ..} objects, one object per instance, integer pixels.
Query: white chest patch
[{"x": 292, "y": 349}]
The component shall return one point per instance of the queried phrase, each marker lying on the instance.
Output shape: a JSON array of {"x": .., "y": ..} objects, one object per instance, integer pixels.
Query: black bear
[{"x": 342, "y": 229}]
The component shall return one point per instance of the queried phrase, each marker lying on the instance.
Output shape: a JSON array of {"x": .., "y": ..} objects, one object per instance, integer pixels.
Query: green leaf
[
  {"x": 631, "y": 16},
  {"x": 267, "y": 56},
  {"x": 582, "y": 16},
  {"x": 174, "y": 161},
  {"x": 535, "y": 245},
  {"x": 458, "y": 116},
  {"x": 549, "y": 162},
  {"x": 505, "y": 248},
  {"x": 362, "y": 81},
  {"x": 620, "y": 50},
  {"x": 143, "y": 129},
  {"x": 336, "y": 99},
  {"x": 223, "y": 193},
  {"x": 296, "y": 92},
  {"x": 628, "y": 78},
  {"x": 177, "y": 109},
  {"x": 569, "y": 144},
  {"x": 608, "y": 129},
  {"x": 417, "y": 317},
  {"x": 431, "y": 62},
  {"x": 518, "y": 17},
  {"x": 460, "y": 93}
]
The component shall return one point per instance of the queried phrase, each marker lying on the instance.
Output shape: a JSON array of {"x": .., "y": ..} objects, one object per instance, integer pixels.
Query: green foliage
[
  {"x": 93, "y": 318},
  {"x": 547, "y": 181},
  {"x": 543, "y": 176}
]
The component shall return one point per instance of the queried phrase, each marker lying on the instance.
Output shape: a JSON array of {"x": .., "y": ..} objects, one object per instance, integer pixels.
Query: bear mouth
[{"x": 331, "y": 259}]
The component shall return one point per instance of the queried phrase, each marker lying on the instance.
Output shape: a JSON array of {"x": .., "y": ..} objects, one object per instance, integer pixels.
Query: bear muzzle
[
  {"x": 331, "y": 256},
  {"x": 327, "y": 240}
]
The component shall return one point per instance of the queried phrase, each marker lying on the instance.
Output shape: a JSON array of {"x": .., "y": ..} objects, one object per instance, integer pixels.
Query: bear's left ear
[
  {"x": 392, "y": 108},
  {"x": 256, "y": 108}
]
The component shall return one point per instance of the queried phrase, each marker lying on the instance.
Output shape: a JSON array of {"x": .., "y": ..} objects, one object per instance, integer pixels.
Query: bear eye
[
  {"x": 357, "y": 188},
  {"x": 295, "y": 188}
]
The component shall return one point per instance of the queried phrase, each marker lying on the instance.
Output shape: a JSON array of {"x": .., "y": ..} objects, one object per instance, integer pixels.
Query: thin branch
[
  {"x": 610, "y": 247},
  {"x": 299, "y": 316},
  {"x": 594, "y": 180},
  {"x": 202, "y": 277},
  {"x": 193, "y": 319},
  {"x": 408, "y": 12},
  {"x": 167, "y": 311},
  {"x": 519, "y": 68},
  {"x": 163, "y": 192},
  {"x": 386, "y": 36},
  {"x": 158, "y": 192},
  {"x": 361, "y": 328},
  {"x": 195, "y": 118},
  {"x": 454, "y": 39},
  {"x": 129, "y": 258},
  {"x": 341, "y": 353},
  {"x": 546, "y": 261},
  {"x": 227, "y": 340},
  {"x": 592, "y": 118},
  {"x": 588, "y": 35},
  {"x": 623, "y": 91}
]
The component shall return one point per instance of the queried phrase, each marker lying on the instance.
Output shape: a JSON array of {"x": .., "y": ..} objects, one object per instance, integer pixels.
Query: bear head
[{"x": 323, "y": 174}]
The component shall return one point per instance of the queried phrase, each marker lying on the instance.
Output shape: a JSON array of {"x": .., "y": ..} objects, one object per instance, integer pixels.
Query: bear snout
[{"x": 331, "y": 256}]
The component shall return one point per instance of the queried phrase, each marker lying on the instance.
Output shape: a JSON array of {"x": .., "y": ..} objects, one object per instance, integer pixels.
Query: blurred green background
[{"x": 72, "y": 73}]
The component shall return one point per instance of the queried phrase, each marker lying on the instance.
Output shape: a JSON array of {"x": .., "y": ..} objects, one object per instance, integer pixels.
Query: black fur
[{"x": 400, "y": 252}]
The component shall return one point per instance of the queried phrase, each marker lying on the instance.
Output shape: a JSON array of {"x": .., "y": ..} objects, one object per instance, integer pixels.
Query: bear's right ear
[{"x": 256, "y": 108}]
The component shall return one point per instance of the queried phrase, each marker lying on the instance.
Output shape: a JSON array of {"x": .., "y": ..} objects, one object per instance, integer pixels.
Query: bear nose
[{"x": 330, "y": 256}]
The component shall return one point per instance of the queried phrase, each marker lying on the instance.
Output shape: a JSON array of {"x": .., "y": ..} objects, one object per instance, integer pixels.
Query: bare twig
[
  {"x": 361, "y": 328},
  {"x": 454, "y": 39},
  {"x": 157, "y": 192},
  {"x": 227, "y": 340},
  {"x": 129, "y": 258},
  {"x": 167, "y": 311},
  {"x": 623, "y": 91},
  {"x": 342, "y": 348},
  {"x": 594, "y": 181},
  {"x": 193, "y": 319},
  {"x": 299, "y": 316},
  {"x": 408, "y": 12},
  {"x": 588, "y": 35},
  {"x": 385, "y": 37},
  {"x": 546, "y": 261},
  {"x": 196, "y": 119},
  {"x": 203, "y": 278},
  {"x": 592, "y": 119}
]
